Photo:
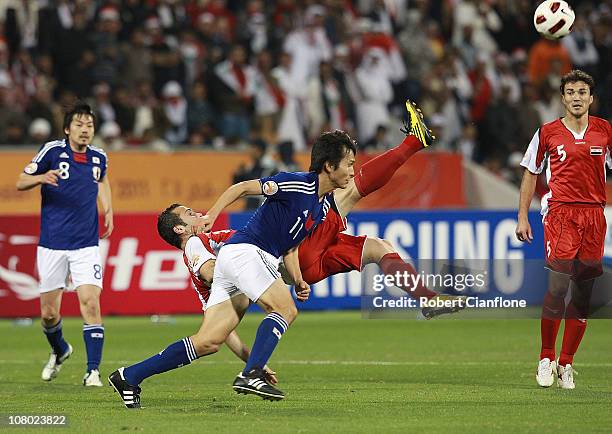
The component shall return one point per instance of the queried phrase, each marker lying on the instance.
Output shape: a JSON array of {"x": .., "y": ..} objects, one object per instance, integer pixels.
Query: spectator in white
[
  {"x": 506, "y": 79},
  {"x": 324, "y": 107},
  {"x": 549, "y": 105},
  {"x": 256, "y": 27},
  {"x": 109, "y": 137},
  {"x": 580, "y": 46},
  {"x": 467, "y": 142},
  {"x": 308, "y": 46},
  {"x": 291, "y": 124},
  {"x": 392, "y": 60},
  {"x": 381, "y": 16},
  {"x": 482, "y": 18},
  {"x": 376, "y": 93},
  {"x": 175, "y": 108},
  {"x": 234, "y": 94},
  {"x": 102, "y": 102},
  {"x": 269, "y": 99},
  {"x": 39, "y": 131}
]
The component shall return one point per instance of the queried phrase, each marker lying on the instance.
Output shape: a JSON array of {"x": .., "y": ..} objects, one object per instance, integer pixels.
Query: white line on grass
[{"x": 334, "y": 362}]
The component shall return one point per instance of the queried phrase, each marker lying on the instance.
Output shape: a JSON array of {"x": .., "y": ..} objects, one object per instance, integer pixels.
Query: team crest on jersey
[
  {"x": 269, "y": 188},
  {"x": 95, "y": 160},
  {"x": 31, "y": 168},
  {"x": 596, "y": 150}
]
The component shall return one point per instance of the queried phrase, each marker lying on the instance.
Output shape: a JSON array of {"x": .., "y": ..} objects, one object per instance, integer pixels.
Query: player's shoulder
[
  {"x": 51, "y": 148},
  {"x": 551, "y": 127},
  {"x": 295, "y": 176},
  {"x": 98, "y": 151},
  {"x": 599, "y": 123}
]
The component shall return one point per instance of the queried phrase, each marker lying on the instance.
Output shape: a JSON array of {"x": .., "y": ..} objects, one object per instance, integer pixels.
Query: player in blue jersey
[
  {"x": 72, "y": 175},
  {"x": 246, "y": 270}
]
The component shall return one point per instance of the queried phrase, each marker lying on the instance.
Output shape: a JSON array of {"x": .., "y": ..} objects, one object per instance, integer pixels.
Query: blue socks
[
  {"x": 269, "y": 333},
  {"x": 178, "y": 354},
  {"x": 56, "y": 339},
  {"x": 93, "y": 335}
]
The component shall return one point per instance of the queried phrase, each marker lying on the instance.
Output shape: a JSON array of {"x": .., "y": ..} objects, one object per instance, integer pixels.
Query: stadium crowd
[{"x": 171, "y": 74}]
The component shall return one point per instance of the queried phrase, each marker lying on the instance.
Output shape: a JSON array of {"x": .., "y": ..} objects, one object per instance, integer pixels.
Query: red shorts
[
  {"x": 574, "y": 240},
  {"x": 328, "y": 251}
]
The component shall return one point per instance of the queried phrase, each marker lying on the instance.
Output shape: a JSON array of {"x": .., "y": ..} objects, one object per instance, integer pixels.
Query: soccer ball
[{"x": 554, "y": 19}]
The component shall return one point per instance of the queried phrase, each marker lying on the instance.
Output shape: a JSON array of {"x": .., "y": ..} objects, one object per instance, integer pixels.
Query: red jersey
[
  {"x": 576, "y": 172},
  {"x": 199, "y": 249}
]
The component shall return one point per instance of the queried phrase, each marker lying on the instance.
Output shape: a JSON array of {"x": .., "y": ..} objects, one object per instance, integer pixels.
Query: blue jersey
[
  {"x": 69, "y": 213},
  {"x": 291, "y": 211}
]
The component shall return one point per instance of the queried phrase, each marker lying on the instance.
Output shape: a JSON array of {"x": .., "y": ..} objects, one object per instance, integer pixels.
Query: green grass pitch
[{"x": 341, "y": 373}]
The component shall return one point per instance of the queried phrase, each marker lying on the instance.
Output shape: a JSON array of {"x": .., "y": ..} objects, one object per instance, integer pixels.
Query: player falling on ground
[
  {"x": 72, "y": 175},
  {"x": 246, "y": 269},
  {"x": 577, "y": 147},
  {"x": 181, "y": 227},
  {"x": 327, "y": 250}
]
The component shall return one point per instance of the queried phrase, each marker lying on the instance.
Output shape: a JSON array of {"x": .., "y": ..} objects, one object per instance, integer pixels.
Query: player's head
[
  {"x": 178, "y": 222},
  {"x": 333, "y": 153},
  {"x": 577, "y": 92},
  {"x": 79, "y": 124}
]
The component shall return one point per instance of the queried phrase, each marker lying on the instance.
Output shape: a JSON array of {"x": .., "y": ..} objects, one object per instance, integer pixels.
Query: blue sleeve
[
  {"x": 41, "y": 163},
  {"x": 103, "y": 166},
  {"x": 283, "y": 184}
]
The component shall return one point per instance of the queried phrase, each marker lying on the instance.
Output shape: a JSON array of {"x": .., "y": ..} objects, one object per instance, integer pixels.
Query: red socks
[
  {"x": 379, "y": 170},
  {"x": 392, "y": 263},
  {"x": 575, "y": 326},
  {"x": 552, "y": 312},
  {"x": 572, "y": 335}
]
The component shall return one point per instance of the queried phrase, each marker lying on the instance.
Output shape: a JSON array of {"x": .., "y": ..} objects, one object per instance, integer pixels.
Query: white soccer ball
[{"x": 554, "y": 19}]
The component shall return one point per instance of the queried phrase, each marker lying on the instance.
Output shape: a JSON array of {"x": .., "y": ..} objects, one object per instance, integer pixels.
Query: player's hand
[
  {"x": 302, "y": 290},
  {"x": 108, "y": 224},
  {"x": 270, "y": 375},
  {"x": 523, "y": 231},
  {"x": 50, "y": 177},
  {"x": 208, "y": 223}
]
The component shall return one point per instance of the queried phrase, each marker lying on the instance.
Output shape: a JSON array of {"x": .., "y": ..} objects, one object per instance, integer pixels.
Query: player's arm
[
  {"x": 231, "y": 195},
  {"x": 26, "y": 182},
  {"x": 207, "y": 270},
  {"x": 106, "y": 205},
  {"x": 528, "y": 185},
  {"x": 292, "y": 264}
]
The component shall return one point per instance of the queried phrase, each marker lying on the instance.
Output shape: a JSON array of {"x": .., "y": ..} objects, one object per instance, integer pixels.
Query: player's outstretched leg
[
  {"x": 378, "y": 171},
  {"x": 382, "y": 253},
  {"x": 126, "y": 381}
]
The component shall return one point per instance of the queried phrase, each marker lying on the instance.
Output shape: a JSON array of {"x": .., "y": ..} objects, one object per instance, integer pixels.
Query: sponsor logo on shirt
[{"x": 64, "y": 155}]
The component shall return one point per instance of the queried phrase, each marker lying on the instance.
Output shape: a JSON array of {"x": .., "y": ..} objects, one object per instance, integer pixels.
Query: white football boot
[
  {"x": 54, "y": 365},
  {"x": 547, "y": 370},
  {"x": 92, "y": 378},
  {"x": 565, "y": 377}
]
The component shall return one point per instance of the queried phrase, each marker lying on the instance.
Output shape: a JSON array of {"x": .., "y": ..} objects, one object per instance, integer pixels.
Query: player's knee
[
  {"x": 49, "y": 316},
  {"x": 204, "y": 347},
  {"x": 289, "y": 312}
]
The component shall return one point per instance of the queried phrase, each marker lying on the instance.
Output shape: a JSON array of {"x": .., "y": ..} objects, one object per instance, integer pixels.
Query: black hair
[
  {"x": 331, "y": 147},
  {"x": 574, "y": 76},
  {"x": 79, "y": 108},
  {"x": 166, "y": 222}
]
